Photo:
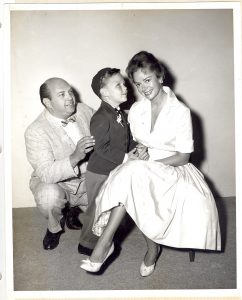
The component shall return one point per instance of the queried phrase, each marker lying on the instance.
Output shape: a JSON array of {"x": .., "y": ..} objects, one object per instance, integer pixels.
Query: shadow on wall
[
  {"x": 199, "y": 155},
  {"x": 76, "y": 94},
  {"x": 130, "y": 97},
  {"x": 196, "y": 159}
]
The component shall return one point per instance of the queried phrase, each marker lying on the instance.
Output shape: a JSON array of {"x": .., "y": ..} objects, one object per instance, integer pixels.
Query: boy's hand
[
  {"x": 142, "y": 152},
  {"x": 133, "y": 155}
]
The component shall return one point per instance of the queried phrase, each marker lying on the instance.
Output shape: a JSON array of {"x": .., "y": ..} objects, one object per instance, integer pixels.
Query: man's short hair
[{"x": 44, "y": 92}]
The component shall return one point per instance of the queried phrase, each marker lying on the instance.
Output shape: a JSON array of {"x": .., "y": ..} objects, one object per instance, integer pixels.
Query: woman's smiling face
[{"x": 147, "y": 83}]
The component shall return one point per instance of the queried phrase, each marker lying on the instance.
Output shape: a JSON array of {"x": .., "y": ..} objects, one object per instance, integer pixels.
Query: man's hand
[{"x": 84, "y": 146}]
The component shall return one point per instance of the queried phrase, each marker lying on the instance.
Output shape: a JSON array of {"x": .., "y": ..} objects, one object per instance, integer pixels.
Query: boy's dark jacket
[{"x": 112, "y": 140}]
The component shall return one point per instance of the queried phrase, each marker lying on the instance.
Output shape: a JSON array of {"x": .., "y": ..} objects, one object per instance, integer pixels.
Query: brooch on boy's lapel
[
  {"x": 119, "y": 120},
  {"x": 119, "y": 117}
]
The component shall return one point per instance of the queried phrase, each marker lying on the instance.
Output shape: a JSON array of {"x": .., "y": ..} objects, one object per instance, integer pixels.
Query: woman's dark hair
[{"x": 144, "y": 60}]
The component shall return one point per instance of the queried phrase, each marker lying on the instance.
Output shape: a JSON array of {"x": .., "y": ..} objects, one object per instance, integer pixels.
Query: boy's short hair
[{"x": 98, "y": 81}]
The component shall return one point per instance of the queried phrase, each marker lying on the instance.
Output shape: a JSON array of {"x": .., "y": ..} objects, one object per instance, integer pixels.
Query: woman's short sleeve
[{"x": 184, "y": 134}]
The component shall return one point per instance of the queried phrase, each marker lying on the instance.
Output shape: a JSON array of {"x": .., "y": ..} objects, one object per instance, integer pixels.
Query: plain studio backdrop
[{"x": 196, "y": 47}]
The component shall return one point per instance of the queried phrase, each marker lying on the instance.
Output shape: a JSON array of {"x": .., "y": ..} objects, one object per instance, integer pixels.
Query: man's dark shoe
[
  {"x": 84, "y": 250},
  {"x": 72, "y": 220},
  {"x": 51, "y": 240}
]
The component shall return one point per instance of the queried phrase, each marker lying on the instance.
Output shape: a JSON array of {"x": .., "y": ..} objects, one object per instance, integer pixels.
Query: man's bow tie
[{"x": 72, "y": 119}]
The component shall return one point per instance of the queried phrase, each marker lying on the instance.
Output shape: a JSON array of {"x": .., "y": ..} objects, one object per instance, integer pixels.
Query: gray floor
[{"x": 37, "y": 270}]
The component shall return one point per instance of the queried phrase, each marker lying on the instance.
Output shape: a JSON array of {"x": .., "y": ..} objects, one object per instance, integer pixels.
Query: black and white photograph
[{"x": 120, "y": 150}]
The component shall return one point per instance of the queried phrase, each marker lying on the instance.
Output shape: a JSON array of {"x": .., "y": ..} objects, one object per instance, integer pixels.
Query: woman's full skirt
[{"x": 172, "y": 206}]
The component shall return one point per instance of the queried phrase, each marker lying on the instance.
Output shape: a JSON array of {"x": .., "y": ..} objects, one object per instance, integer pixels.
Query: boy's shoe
[
  {"x": 84, "y": 250},
  {"x": 72, "y": 220}
]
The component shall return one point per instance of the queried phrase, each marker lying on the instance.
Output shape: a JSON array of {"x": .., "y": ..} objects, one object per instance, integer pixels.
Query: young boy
[{"x": 113, "y": 144}]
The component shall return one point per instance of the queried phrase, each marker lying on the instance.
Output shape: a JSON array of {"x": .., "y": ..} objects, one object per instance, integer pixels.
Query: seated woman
[{"x": 166, "y": 196}]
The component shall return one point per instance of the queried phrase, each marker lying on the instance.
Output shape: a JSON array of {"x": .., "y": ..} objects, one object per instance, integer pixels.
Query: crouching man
[{"x": 57, "y": 145}]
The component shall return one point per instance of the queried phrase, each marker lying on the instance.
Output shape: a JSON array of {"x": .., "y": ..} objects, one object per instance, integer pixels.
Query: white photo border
[{"x": 6, "y": 283}]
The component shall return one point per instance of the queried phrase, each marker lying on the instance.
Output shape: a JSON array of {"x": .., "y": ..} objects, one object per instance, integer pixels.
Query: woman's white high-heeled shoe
[
  {"x": 94, "y": 267},
  {"x": 146, "y": 271}
]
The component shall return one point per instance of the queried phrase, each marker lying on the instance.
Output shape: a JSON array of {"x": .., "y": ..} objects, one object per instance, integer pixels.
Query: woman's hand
[{"x": 179, "y": 159}]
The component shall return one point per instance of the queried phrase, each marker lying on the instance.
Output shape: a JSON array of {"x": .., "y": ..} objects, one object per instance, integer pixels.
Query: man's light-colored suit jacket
[{"x": 48, "y": 149}]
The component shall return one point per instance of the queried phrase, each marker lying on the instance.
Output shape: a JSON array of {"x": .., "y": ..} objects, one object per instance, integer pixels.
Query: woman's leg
[
  {"x": 104, "y": 243},
  {"x": 152, "y": 253}
]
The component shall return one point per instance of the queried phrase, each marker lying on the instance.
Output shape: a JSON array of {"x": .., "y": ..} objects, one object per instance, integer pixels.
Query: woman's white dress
[{"x": 172, "y": 206}]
